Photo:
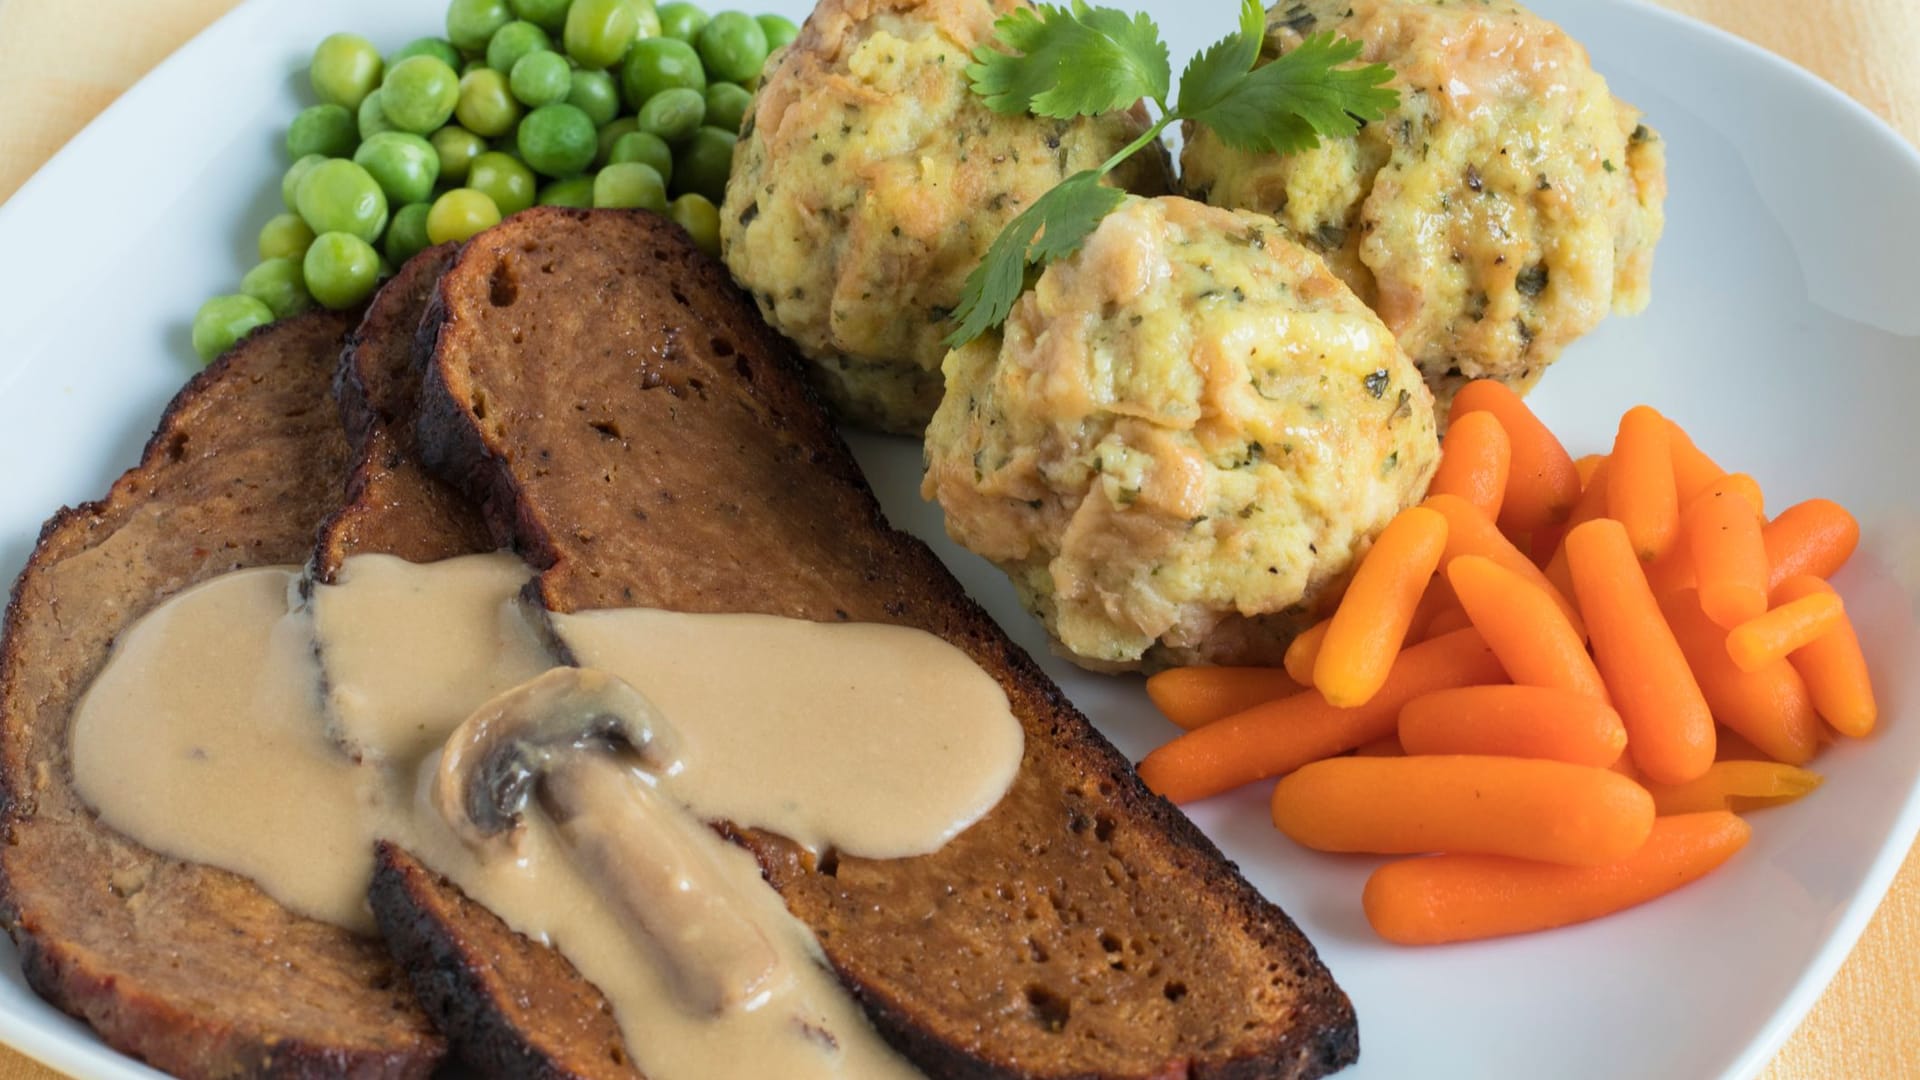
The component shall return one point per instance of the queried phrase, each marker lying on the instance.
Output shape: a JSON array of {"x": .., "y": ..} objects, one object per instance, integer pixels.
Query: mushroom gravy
[{"x": 277, "y": 730}]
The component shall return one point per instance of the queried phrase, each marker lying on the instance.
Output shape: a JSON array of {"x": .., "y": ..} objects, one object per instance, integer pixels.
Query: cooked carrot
[
  {"x": 1525, "y": 628},
  {"x": 1734, "y": 785},
  {"x": 1283, "y": 735},
  {"x": 1586, "y": 466},
  {"x": 1467, "y": 804},
  {"x": 1673, "y": 571},
  {"x": 1470, "y": 533},
  {"x": 1693, "y": 471},
  {"x": 1437, "y": 599},
  {"x": 1729, "y": 560},
  {"x": 1640, "y": 485},
  {"x": 1733, "y": 746},
  {"x": 1669, "y": 727},
  {"x": 1475, "y": 459},
  {"x": 1771, "y": 636},
  {"x": 1467, "y": 897},
  {"x": 1450, "y": 621},
  {"x": 1514, "y": 721},
  {"x": 1833, "y": 666},
  {"x": 1738, "y": 483},
  {"x": 1771, "y": 707},
  {"x": 1814, "y": 537},
  {"x": 1542, "y": 483},
  {"x": 1369, "y": 627},
  {"x": 1196, "y": 696},
  {"x": 1387, "y": 747},
  {"x": 1303, "y": 650}
]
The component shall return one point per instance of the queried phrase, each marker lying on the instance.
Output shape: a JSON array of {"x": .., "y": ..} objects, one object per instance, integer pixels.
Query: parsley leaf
[
  {"x": 1285, "y": 106},
  {"x": 1213, "y": 71},
  {"x": 1052, "y": 228},
  {"x": 1067, "y": 62}
]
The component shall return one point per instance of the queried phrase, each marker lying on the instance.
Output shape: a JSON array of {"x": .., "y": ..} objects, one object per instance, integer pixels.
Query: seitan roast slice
[
  {"x": 621, "y": 413},
  {"x": 192, "y": 969}
]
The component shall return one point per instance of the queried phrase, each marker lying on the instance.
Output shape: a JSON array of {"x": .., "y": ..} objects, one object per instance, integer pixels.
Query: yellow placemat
[{"x": 61, "y": 63}]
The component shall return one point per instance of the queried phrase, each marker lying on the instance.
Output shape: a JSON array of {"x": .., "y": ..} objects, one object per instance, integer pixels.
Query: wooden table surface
[{"x": 58, "y": 68}]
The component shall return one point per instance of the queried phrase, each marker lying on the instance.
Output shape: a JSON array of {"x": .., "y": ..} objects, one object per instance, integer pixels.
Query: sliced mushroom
[{"x": 576, "y": 741}]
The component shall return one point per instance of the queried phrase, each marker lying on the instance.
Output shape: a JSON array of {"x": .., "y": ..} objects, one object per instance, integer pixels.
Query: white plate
[{"x": 1784, "y": 333}]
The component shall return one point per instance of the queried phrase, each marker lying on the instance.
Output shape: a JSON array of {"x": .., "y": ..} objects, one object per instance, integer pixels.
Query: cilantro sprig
[{"x": 1065, "y": 62}]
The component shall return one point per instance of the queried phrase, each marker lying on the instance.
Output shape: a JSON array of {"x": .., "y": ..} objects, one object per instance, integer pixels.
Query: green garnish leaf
[
  {"x": 1052, "y": 228},
  {"x": 1214, "y": 70},
  {"x": 1285, "y": 106},
  {"x": 1063, "y": 62}
]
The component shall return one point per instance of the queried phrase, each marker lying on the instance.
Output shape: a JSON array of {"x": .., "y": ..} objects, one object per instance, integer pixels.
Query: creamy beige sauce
[{"x": 240, "y": 726}]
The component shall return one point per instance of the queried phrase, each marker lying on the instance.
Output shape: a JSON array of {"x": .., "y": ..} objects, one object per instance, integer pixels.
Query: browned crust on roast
[
  {"x": 645, "y": 441},
  {"x": 393, "y": 506},
  {"x": 191, "y": 969}
]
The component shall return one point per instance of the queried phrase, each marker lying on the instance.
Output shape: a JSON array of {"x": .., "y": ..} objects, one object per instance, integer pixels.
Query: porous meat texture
[
  {"x": 189, "y": 968},
  {"x": 649, "y": 442},
  {"x": 393, "y": 506},
  {"x": 869, "y": 183},
  {"x": 1181, "y": 440},
  {"x": 1495, "y": 216}
]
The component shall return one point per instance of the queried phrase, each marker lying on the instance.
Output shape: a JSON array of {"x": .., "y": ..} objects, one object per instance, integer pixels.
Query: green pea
[
  {"x": 645, "y": 148},
  {"x": 405, "y": 166},
  {"x": 339, "y": 196},
  {"x": 513, "y": 41},
  {"x": 280, "y": 284},
  {"x": 290, "y": 182},
  {"x": 373, "y": 116},
  {"x": 341, "y": 270},
  {"x": 285, "y": 236},
  {"x": 487, "y": 106},
  {"x": 599, "y": 32},
  {"x": 407, "y": 235},
  {"x": 468, "y": 67},
  {"x": 542, "y": 79},
  {"x": 438, "y": 48},
  {"x": 470, "y": 23},
  {"x": 420, "y": 94},
  {"x": 701, "y": 219},
  {"x": 649, "y": 19},
  {"x": 595, "y": 93},
  {"x": 659, "y": 64},
  {"x": 673, "y": 115},
  {"x": 577, "y": 193},
  {"x": 327, "y": 130},
  {"x": 547, "y": 14},
  {"x": 780, "y": 31},
  {"x": 504, "y": 180},
  {"x": 557, "y": 140},
  {"x": 459, "y": 215},
  {"x": 457, "y": 148},
  {"x": 732, "y": 46},
  {"x": 345, "y": 69},
  {"x": 610, "y": 134},
  {"x": 681, "y": 20},
  {"x": 727, "y": 105},
  {"x": 703, "y": 164},
  {"x": 629, "y": 185},
  {"x": 224, "y": 320}
]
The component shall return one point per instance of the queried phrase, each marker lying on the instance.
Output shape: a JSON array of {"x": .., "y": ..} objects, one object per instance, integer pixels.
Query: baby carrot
[
  {"x": 1283, "y": 735},
  {"x": 1586, "y": 466},
  {"x": 1370, "y": 625},
  {"x": 1738, "y": 483},
  {"x": 1525, "y": 808},
  {"x": 1734, "y": 785},
  {"x": 1196, "y": 696},
  {"x": 1669, "y": 727},
  {"x": 1771, "y": 636},
  {"x": 1640, "y": 484},
  {"x": 1470, "y": 533},
  {"x": 1833, "y": 666},
  {"x": 1437, "y": 599},
  {"x": 1524, "y": 627},
  {"x": 1592, "y": 504},
  {"x": 1387, "y": 747},
  {"x": 1729, "y": 560},
  {"x": 1467, "y": 897},
  {"x": 1450, "y": 621},
  {"x": 1770, "y": 707},
  {"x": 1475, "y": 459},
  {"x": 1303, "y": 650},
  {"x": 1541, "y": 481},
  {"x": 1514, "y": 721},
  {"x": 1814, "y": 537},
  {"x": 1693, "y": 471}
]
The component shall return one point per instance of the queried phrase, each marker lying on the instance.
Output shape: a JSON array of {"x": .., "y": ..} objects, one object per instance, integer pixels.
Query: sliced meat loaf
[
  {"x": 192, "y": 969},
  {"x": 623, "y": 416}
]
